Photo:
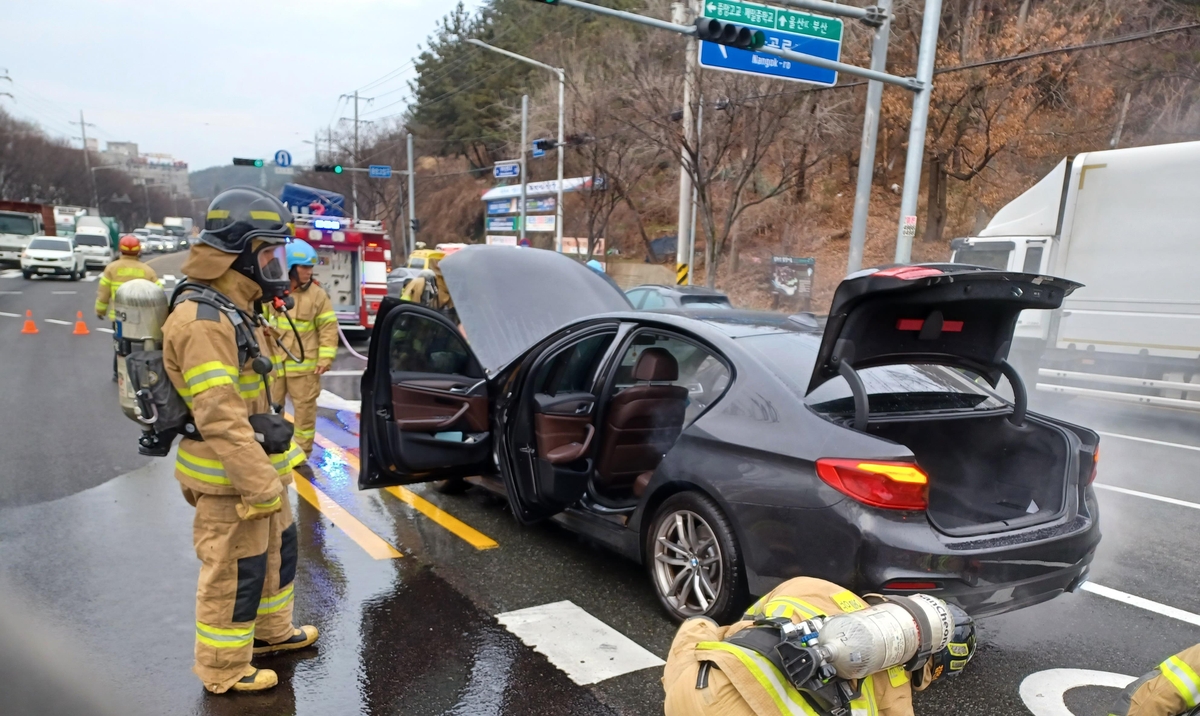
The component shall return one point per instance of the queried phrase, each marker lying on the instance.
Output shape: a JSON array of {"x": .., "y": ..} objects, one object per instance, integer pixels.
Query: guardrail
[{"x": 1120, "y": 380}]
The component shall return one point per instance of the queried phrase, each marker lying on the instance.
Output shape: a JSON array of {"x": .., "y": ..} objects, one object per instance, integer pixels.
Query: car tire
[
  {"x": 75, "y": 275},
  {"x": 717, "y": 568},
  {"x": 453, "y": 486},
  {"x": 27, "y": 274}
]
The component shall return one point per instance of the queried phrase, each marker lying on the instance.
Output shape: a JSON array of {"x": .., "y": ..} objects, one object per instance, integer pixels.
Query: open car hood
[
  {"x": 509, "y": 298},
  {"x": 948, "y": 314}
]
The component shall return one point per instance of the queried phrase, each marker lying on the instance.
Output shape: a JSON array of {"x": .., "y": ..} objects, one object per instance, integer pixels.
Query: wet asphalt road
[{"x": 97, "y": 572}]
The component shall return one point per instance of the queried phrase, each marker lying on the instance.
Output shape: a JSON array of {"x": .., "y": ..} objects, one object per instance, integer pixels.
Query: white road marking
[
  {"x": 64, "y": 293},
  {"x": 1141, "y": 603},
  {"x": 11, "y": 273},
  {"x": 10, "y": 315},
  {"x": 1043, "y": 691},
  {"x": 104, "y": 330},
  {"x": 55, "y": 320},
  {"x": 585, "y": 648},
  {"x": 333, "y": 401},
  {"x": 93, "y": 277},
  {"x": 11, "y": 293},
  {"x": 1148, "y": 440},
  {"x": 169, "y": 277},
  {"x": 1148, "y": 496},
  {"x": 336, "y": 373}
]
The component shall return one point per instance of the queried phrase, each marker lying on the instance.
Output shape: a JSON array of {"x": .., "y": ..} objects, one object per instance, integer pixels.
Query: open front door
[{"x": 425, "y": 409}]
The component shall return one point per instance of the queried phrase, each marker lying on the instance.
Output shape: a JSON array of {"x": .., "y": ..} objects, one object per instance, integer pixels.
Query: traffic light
[
  {"x": 332, "y": 168},
  {"x": 239, "y": 162},
  {"x": 544, "y": 145},
  {"x": 416, "y": 225},
  {"x": 724, "y": 33}
]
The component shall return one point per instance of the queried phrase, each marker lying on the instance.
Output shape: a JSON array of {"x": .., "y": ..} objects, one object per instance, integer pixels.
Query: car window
[
  {"x": 653, "y": 300},
  {"x": 636, "y": 297},
  {"x": 21, "y": 225},
  {"x": 418, "y": 344},
  {"x": 50, "y": 245},
  {"x": 416, "y": 263},
  {"x": 701, "y": 371},
  {"x": 901, "y": 388},
  {"x": 1033, "y": 259},
  {"x": 85, "y": 240},
  {"x": 983, "y": 255},
  {"x": 573, "y": 370},
  {"x": 705, "y": 302}
]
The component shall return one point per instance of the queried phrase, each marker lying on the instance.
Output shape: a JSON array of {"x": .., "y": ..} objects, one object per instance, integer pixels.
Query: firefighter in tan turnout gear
[
  {"x": 1173, "y": 689},
  {"x": 126, "y": 268},
  {"x": 315, "y": 324},
  {"x": 712, "y": 671},
  {"x": 216, "y": 356}
]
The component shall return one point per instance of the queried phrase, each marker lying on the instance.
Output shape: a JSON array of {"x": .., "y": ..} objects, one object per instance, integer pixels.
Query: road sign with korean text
[{"x": 799, "y": 32}]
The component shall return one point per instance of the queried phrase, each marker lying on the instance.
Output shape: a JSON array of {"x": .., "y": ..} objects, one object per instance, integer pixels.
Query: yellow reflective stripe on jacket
[
  {"x": 285, "y": 462},
  {"x": 306, "y": 434},
  {"x": 786, "y": 699},
  {"x": 1183, "y": 678},
  {"x": 783, "y": 607},
  {"x": 201, "y": 468},
  {"x": 132, "y": 272},
  {"x": 268, "y": 504},
  {"x": 208, "y": 375},
  {"x": 272, "y": 604},
  {"x": 324, "y": 352},
  {"x": 220, "y": 638},
  {"x": 306, "y": 366},
  {"x": 250, "y": 386},
  {"x": 326, "y": 318}
]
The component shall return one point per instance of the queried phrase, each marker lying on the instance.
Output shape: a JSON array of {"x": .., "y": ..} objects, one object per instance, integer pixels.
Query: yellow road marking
[
  {"x": 467, "y": 533},
  {"x": 372, "y": 543}
]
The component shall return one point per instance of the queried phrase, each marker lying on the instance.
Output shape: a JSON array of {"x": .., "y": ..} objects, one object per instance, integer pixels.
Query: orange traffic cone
[
  {"x": 81, "y": 328},
  {"x": 30, "y": 326}
]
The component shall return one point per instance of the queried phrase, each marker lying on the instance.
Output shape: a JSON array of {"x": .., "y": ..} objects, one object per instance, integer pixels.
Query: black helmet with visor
[{"x": 256, "y": 226}]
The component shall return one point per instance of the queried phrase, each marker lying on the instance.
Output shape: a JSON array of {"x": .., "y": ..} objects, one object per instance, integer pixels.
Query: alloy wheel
[{"x": 687, "y": 563}]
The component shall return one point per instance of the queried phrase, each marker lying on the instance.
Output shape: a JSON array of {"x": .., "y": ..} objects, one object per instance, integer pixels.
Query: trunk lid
[{"x": 944, "y": 314}]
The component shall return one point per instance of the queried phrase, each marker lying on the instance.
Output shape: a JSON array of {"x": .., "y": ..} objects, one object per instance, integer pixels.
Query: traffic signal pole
[
  {"x": 524, "y": 154},
  {"x": 684, "y": 238},
  {"x": 562, "y": 91},
  {"x": 412, "y": 199},
  {"x": 926, "y": 55},
  {"x": 870, "y": 137}
]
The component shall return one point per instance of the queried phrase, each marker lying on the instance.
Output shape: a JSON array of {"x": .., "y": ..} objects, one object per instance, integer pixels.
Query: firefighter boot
[
  {"x": 256, "y": 680},
  {"x": 300, "y": 638}
]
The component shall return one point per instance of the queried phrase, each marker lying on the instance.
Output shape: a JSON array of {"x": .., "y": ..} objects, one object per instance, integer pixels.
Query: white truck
[
  {"x": 20, "y": 221},
  {"x": 1126, "y": 224}
]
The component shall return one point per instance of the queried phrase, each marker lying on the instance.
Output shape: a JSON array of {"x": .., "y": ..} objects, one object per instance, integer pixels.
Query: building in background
[{"x": 160, "y": 171}]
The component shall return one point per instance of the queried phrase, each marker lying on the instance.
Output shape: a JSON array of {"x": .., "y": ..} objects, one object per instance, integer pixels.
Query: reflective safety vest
[{"x": 1183, "y": 678}]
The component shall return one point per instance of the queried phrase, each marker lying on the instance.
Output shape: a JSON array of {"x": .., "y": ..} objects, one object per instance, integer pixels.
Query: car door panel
[{"x": 425, "y": 402}]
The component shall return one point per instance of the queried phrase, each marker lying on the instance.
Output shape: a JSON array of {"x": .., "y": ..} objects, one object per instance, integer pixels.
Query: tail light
[
  {"x": 890, "y": 485},
  {"x": 1095, "y": 464},
  {"x": 905, "y": 585}
]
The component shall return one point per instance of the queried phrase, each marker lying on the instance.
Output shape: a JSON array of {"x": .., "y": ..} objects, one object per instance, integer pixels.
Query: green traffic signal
[
  {"x": 258, "y": 162},
  {"x": 337, "y": 169},
  {"x": 240, "y": 162},
  {"x": 330, "y": 168},
  {"x": 724, "y": 33}
]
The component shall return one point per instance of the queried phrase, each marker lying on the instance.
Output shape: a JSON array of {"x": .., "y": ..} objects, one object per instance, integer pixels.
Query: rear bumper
[{"x": 866, "y": 550}]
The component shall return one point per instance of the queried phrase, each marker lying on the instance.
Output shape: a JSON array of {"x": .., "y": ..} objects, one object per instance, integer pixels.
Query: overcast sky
[{"x": 208, "y": 80}]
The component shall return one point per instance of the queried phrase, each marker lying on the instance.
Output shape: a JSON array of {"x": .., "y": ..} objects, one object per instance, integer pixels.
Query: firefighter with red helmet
[{"x": 126, "y": 268}]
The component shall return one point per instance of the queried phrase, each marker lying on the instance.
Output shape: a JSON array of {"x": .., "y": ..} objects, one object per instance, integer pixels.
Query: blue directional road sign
[
  {"x": 283, "y": 158},
  {"x": 798, "y": 32},
  {"x": 380, "y": 171},
  {"x": 506, "y": 171}
]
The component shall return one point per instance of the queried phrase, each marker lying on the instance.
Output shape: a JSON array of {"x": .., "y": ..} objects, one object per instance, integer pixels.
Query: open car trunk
[{"x": 986, "y": 474}]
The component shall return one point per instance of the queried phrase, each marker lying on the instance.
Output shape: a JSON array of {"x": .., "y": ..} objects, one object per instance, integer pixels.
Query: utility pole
[
  {"x": 1116, "y": 140},
  {"x": 412, "y": 199},
  {"x": 930, "y": 24},
  {"x": 524, "y": 176},
  {"x": 562, "y": 91},
  {"x": 87, "y": 162},
  {"x": 354, "y": 156},
  {"x": 682, "y": 14},
  {"x": 870, "y": 136}
]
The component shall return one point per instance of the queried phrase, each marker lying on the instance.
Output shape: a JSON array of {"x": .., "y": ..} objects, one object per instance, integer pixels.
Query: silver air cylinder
[
  {"x": 864, "y": 642},
  {"x": 140, "y": 307}
]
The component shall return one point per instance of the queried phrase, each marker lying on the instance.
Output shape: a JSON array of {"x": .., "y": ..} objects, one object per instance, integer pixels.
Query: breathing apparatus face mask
[{"x": 267, "y": 266}]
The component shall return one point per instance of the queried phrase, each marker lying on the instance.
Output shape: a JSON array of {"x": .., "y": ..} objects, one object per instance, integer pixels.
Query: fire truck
[{"x": 354, "y": 257}]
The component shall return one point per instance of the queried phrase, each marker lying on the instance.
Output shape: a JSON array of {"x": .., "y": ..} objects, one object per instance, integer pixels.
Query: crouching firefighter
[
  {"x": 1173, "y": 689},
  {"x": 812, "y": 648},
  {"x": 237, "y": 453}
]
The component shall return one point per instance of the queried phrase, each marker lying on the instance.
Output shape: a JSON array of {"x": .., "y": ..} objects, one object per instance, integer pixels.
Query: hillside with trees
[{"x": 1019, "y": 85}]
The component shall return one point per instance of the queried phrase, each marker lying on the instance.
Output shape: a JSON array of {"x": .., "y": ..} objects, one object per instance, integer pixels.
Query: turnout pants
[
  {"x": 303, "y": 389},
  {"x": 245, "y": 591}
]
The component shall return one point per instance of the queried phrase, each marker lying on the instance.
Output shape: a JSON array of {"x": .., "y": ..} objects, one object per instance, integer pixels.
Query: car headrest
[{"x": 656, "y": 365}]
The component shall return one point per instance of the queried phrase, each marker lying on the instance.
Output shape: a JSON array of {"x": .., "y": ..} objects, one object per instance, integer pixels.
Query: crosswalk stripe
[
  {"x": 585, "y": 648},
  {"x": 11, "y": 273}
]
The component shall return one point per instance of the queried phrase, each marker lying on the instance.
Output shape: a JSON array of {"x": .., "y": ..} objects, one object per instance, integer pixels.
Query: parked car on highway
[
  {"x": 53, "y": 256},
  {"x": 170, "y": 244},
  {"x": 730, "y": 455},
  {"x": 398, "y": 279},
  {"x": 96, "y": 249},
  {"x": 653, "y": 297},
  {"x": 154, "y": 243}
]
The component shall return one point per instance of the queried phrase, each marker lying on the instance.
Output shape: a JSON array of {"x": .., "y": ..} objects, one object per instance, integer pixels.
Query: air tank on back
[
  {"x": 140, "y": 308},
  {"x": 865, "y": 642}
]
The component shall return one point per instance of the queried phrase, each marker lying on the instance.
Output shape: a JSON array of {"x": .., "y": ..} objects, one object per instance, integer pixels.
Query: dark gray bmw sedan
[{"x": 889, "y": 450}]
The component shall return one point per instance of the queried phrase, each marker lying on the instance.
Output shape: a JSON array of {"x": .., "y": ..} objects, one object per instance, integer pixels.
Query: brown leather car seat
[{"x": 644, "y": 421}]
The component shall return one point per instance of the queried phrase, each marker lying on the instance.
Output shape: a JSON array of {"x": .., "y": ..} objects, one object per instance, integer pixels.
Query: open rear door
[{"x": 425, "y": 412}]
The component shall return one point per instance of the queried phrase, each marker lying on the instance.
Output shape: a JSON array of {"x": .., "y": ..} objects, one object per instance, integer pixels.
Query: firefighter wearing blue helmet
[{"x": 310, "y": 340}]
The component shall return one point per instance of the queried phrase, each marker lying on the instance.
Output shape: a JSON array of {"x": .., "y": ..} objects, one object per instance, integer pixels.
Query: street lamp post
[{"x": 562, "y": 85}]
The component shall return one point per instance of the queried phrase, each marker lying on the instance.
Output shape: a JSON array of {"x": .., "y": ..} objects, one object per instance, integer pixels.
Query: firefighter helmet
[
  {"x": 241, "y": 214},
  {"x": 130, "y": 245}
]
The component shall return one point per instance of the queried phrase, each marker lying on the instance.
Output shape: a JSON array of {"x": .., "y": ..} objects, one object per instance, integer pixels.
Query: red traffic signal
[{"x": 725, "y": 33}]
